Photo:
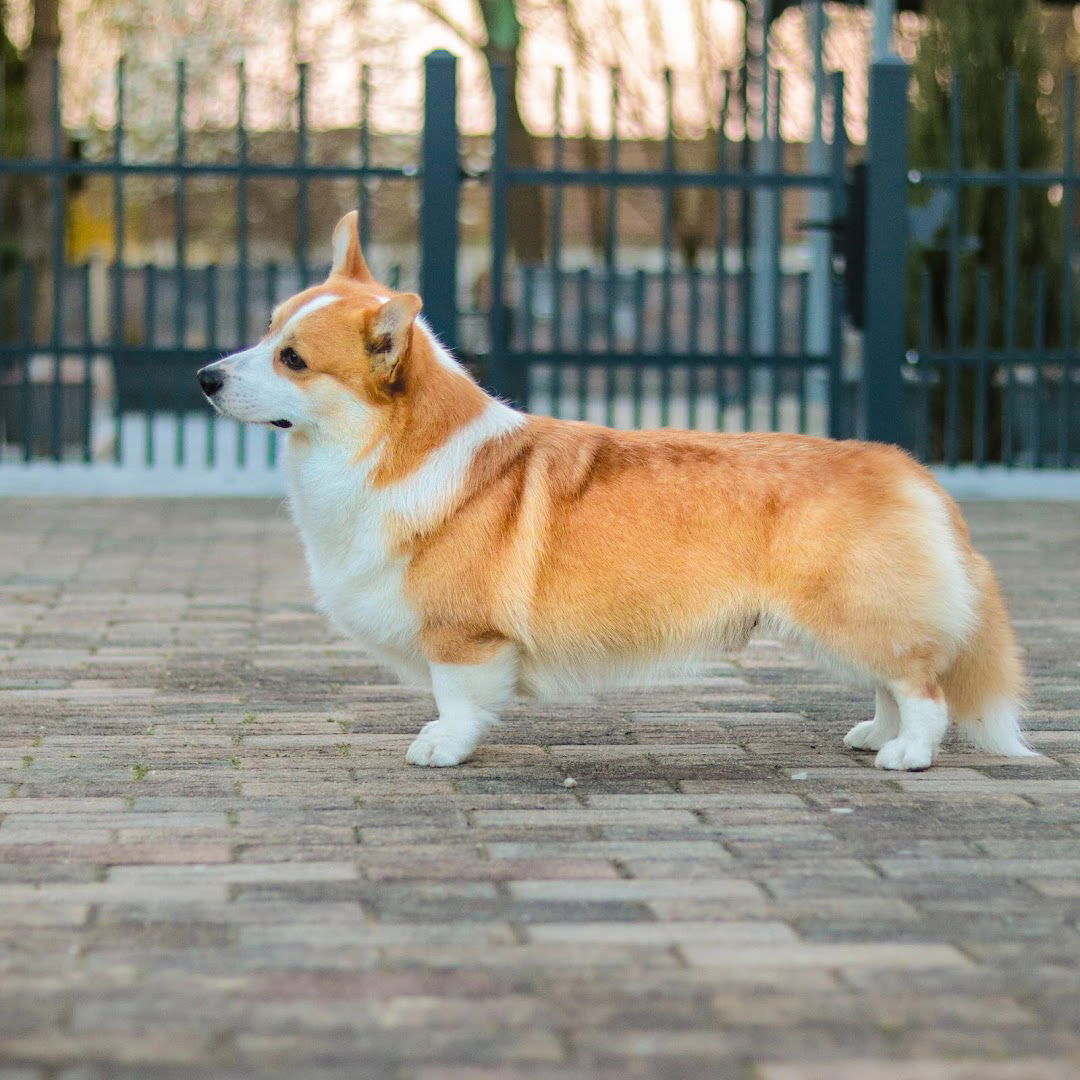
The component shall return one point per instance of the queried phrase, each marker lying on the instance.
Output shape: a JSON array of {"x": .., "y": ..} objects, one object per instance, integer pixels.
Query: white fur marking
[
  {"x": 923, "y": 722},
  {"x": 298, "y": 316},
  {"x": 357, "y": 577},
  {"x": 421, "y": 495},
  {"x": 955, "y": 607},
  {"x": 874, "y": 734},
  {"x": 469, "y": 697},
  {"x": 998, "y": 731}
]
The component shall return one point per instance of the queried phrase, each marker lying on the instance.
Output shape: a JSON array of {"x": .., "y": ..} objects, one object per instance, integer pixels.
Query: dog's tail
[{"x": 984, "y": 685}]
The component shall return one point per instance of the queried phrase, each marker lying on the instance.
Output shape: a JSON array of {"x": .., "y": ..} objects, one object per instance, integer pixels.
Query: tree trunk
[
  {"x": 12, "y": 145},
  {"x": 603, "y": 244},
  {"x": 526, "y": 204},
  {"x": 36, "y": 210},
  {"x": 526, "y": 207}
]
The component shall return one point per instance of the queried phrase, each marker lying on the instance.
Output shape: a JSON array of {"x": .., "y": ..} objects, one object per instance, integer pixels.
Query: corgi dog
[{"x": 486, "y": 553}]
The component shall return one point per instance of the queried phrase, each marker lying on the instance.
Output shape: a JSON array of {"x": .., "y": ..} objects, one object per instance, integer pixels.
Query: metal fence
[
  {"x": 107, "y": 376},
  {"x": 726, "y": 348},
  {"x": 766, "y": 329},
  {"x": 991, "y": 371}
]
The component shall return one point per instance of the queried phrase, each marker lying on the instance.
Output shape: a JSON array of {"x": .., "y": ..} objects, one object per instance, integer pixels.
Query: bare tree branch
[{"x": 436, "y": 12}]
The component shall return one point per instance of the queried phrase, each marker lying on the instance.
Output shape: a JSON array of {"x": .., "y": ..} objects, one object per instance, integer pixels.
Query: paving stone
[
  {"x": 215, "y": 863},
  {"x": 1034, "y": 1068}
]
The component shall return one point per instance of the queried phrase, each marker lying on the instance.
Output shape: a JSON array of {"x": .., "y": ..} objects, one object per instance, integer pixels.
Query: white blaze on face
[{"x": 254, "y": 391}]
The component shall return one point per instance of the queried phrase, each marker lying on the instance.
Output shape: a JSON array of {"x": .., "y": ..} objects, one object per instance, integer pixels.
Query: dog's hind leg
[
  {"x": 874, "y": 734},
  {"x": 924, "y": 718},
  {"x": 469, "y": 697}
]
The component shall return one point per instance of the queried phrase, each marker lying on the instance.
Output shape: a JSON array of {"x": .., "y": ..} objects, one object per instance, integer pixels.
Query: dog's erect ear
[
  {"x": 389, "y": 329},
  {"x": 348, "y": 258}
]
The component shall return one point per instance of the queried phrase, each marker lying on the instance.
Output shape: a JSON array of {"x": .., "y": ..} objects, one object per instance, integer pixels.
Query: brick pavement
[{"x": 214, "y": 862}]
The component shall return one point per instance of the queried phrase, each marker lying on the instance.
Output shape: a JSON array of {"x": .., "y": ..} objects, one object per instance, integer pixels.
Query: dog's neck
[{"x": 408, "y": 469}]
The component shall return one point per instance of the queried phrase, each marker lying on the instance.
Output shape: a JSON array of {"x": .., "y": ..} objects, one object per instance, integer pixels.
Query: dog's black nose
[{"x": 211, "y": 381}]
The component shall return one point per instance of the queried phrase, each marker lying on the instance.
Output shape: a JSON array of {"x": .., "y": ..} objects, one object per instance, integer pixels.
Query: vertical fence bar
[
  {"x": 583, "y": 301},
  {"x": 4, "y": 126},
  {"x": 886, "y": 243},
  {"x": 1012, "y": 216},
  {"x": 611, "y": 248},
  {"x": 211, "y": 345},
  {"x": 88, "y": 364},
  {"x": 119, "y": 225},
  {"x": 528, "y": 303},
  {"x": 776, "y": 227},
  {"x": 950, "y": 374},
  {"x": 362, "y": 195},
  {"x": 59, "y": 258},
  {"x": 302, "y": 186},
  {"x": 242, "y": 247},
  {"x": 439, "y": 195},
  {"x": 920, "y": 440},
  {"x": 180, "y": 313},
  {"x": 803, "y": 371},
  {"x": 1068, "y": 213},
  {"x": 636, "y": 389},
  {"x": 556, "y": 241},
  {"x": 746, "y": 298},
  {"x": 243, "y": 253},
  {"x": 774, "y": 372},
  {"x": 1039, "y": 361},
  {"x": 722, "y": 166},
  {"x": 669, "y": 241},
  {"x": 693, "y": 346},
  {"x": 500, "y": 187},
  {"x": 26, "y": 334},
  {"x": 211, "y": 311},
  {"x": 839, "y": 206},
  {"x": 723, "y": 336},
  {"x": 270, "y": 298},
  {"x": 150, "y": 292},
  {"x": 982, "y": 343},
  {"x": 270, "y": 285}
]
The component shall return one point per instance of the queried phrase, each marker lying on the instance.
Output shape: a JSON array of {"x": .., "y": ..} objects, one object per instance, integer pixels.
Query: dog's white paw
[
  {"x": 440, "y": 744},
  {"x": 869, "y": 735},
  {"x": 905, "y": 754}
]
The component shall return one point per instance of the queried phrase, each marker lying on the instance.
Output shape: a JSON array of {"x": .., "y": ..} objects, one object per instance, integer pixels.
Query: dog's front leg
[{"x": 469, "y": 697}]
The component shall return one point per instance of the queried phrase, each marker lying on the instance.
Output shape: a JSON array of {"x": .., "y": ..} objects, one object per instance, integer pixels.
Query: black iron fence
[
  {"x": 764, "y": 326},
  {"x": 991, "y": 372},
  {"x": 727, "y": 347}
]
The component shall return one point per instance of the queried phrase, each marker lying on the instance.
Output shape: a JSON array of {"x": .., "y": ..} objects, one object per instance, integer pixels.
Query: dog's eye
[{"x": 291, "y": 359}]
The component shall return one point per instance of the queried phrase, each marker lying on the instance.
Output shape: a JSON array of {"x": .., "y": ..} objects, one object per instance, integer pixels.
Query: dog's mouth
[{"x": 281, "y": 423}]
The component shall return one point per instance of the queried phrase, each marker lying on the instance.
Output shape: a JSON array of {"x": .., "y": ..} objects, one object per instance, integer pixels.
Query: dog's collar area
[{"x": 281, "y": 423}]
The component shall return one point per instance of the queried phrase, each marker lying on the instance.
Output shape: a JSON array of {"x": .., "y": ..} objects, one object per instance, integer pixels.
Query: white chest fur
[{"x": 358, "y": 580}]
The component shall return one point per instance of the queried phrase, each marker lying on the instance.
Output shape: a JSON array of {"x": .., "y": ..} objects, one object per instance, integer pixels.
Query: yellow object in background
[{"x": 90, "y": 234}]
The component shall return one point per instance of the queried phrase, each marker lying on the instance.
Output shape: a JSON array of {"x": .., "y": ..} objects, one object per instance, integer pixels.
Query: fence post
[
  {"x": 886, "y": 251},
  {"x": 439, "y": 190},
  {"x": 498, "y": 378}
]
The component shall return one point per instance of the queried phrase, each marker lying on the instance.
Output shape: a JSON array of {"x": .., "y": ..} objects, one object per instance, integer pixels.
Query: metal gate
[
  {"x": 762, "y": 323},
  {"x": 723, "y": 342},
  {"x": 991, "y": 373},
  {"x": 97, "y": 356}
]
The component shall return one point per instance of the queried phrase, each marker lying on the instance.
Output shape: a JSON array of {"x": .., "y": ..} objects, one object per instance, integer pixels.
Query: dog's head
[{"x": 331, "y": 356}]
